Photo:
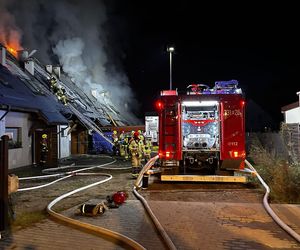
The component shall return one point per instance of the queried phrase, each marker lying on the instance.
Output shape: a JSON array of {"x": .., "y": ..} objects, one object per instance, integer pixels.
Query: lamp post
[{"x": 170, "y": 50}]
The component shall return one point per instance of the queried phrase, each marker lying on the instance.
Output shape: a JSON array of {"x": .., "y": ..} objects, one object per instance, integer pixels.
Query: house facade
[
  {"x": 291, "y": 129},
  {"x": 291, "y": 112},
  {"x": 45, "y": 114}
]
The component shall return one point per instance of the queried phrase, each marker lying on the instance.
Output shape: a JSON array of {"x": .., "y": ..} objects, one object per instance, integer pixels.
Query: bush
[{"x": 282, "y": 177}]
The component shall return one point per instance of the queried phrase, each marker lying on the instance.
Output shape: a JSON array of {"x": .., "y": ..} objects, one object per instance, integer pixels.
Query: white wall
[
  {"x": 292, "y": 115},
  {"x": 64, "y": 142},
  {"x": 2, "y": 123},
  {"x": 19, "y": 157}
]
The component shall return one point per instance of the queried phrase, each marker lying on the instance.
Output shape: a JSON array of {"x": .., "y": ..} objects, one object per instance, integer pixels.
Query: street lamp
[{"x": 171, "y": 50}]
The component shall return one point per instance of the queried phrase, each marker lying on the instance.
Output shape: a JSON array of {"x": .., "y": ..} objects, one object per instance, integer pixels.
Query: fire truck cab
[{"x": 202, "y": 132}]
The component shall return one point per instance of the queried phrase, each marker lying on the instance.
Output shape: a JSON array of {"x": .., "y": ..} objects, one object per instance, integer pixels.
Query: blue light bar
[{"x": 232, "y": 84}]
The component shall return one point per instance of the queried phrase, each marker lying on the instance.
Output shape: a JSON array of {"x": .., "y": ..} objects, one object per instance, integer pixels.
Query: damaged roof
[
  {"x": 20, "y": 95},
  {"x": 32, "y": 93}
]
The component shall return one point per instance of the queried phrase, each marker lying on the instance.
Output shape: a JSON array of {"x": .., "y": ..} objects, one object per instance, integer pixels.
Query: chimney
[
  {"x": 2, "y": 56},
  {"x": 56, "y": 71},
  {"x": 49, "y": 68},
  {"x": 29, "y": 66},
  {"x": 22, "y": 55}
]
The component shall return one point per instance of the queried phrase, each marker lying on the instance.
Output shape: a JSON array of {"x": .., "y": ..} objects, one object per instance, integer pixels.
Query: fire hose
[
  {"x": 137, "y": 185},
  {"x": 270, "y": 211},
  {"x": 114, "y": 236},
  {"x": 63, "y": 175}
]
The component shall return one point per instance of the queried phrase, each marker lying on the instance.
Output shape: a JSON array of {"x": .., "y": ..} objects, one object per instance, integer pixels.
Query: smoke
[
  {"x": 75, "y": 34},
  {"x": 10, "y": 34}
]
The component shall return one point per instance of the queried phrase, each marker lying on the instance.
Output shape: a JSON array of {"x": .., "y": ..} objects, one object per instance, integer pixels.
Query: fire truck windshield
[{"x": 200, "y": 127}]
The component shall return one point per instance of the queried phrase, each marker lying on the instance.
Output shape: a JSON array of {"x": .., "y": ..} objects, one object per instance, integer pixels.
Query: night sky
[{"x": 253, "y": 45}]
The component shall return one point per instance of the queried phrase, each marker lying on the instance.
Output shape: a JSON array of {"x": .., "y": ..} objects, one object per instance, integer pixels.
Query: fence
[{"x": 291, "y": 136}]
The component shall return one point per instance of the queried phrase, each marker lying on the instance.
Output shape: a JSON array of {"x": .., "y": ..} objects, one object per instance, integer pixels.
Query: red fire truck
[{"x": 202, "y": 133}]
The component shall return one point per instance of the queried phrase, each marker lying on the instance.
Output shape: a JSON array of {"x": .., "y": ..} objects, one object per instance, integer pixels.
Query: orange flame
[
  {"x": 13, "y": 46},
  {"x": 12, "y": 50}
]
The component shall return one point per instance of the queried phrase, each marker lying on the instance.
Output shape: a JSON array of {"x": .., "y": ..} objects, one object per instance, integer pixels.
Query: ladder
[{"x": 88, "y": 122}]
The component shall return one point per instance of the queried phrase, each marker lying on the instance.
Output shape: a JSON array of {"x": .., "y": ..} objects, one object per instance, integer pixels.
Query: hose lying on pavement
[
  {"x": 114, "y": 236},
  {"x": 270, "y": 211},
  {"x": 156, "y": 222},
  {"x": 64, "y": 175}
]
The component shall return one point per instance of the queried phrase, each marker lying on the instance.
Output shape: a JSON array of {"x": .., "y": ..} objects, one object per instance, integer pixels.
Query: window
[{"x": 14, "y": 137}]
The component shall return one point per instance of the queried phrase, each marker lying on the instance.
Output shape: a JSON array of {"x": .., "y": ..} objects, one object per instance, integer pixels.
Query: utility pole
[
  {"x": 171, "y": 50},
  {"x": 3, "y": 183}
]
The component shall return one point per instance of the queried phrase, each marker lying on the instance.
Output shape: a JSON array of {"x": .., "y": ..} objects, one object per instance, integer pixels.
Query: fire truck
[{"x": 202, "y": 133}]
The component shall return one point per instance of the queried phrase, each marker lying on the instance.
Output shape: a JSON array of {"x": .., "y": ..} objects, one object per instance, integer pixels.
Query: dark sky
[{"x": 254, "y": 45}]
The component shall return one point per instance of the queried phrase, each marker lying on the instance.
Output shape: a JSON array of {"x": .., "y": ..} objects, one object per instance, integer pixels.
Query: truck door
[
  {"x": 232, "y": 132},
  {"x": 170, "y": 141}
]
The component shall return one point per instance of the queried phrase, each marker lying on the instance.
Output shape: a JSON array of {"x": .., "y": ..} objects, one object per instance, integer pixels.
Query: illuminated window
[{"x": 15, "y": 137}]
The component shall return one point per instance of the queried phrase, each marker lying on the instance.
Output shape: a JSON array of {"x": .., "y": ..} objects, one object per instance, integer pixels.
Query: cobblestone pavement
[
  {"x": 194, "y": 217},
  {"x": 191, "y": 225},
  {"x": 129, "y": 219},
  {"x": 218, "y": 225}
]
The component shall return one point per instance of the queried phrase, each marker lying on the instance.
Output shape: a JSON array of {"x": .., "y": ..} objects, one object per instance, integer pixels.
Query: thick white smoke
[{"x": 75, "y": 32}]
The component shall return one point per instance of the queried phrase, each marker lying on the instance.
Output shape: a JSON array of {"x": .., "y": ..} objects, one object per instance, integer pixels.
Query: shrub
[{"x": 282, "y": 177}]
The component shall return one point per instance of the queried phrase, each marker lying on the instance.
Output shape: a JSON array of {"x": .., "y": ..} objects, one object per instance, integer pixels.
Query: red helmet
[
  {"x": 136, "y": 134},
  {"x": 119, "y": 197}
]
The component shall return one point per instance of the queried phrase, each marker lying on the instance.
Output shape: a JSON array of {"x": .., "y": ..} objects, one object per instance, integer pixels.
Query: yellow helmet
[
  {"x": 115, "y": 132},
  {"x": 44, "y": 136}
]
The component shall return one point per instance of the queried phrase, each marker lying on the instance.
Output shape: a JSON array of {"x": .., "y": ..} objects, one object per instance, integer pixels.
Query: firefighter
[
  {"x": 126, "y": 149},
  {"x": 53, "y": 84},
  {"x": 121, "y": 144},
  {"x": 122, "y": 136},
  {"x": 141, "y": 146},
  {"x": 115, "y": 141},
  {"x": 61, "y": 95},
  {"x": 141, "y": 136},
  {"x": 44, "y": 150},
  {"x": 147, "y": 150},
  {"x": 136, "y": 154}
]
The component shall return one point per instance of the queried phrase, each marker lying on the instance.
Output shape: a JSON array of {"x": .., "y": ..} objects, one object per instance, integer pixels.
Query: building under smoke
[{"x": 73, "y": 35}]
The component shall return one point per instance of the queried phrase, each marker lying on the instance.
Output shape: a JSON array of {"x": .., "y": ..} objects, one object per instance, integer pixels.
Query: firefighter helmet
[
  {"x": 119, "y": 197},
  {"x": 136, "y": 134},
  {"x": 44, "y": 136}
]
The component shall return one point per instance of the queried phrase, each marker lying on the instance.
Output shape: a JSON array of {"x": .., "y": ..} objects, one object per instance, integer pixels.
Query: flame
[
  {"x": 12, "y": 46},
  {"x": 11, "y": 50}
]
